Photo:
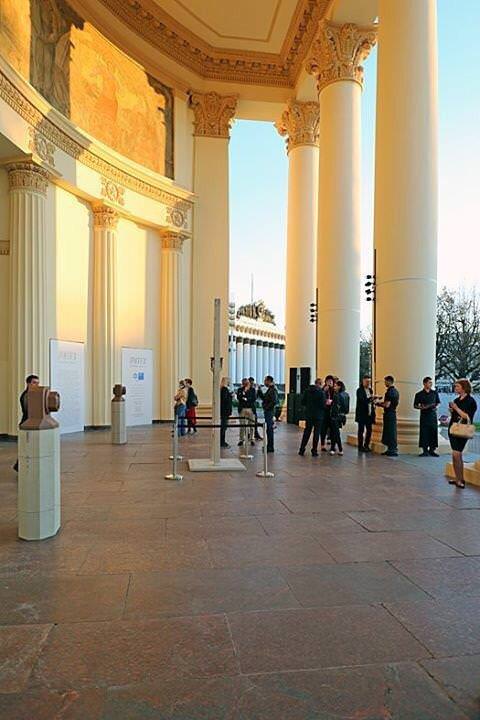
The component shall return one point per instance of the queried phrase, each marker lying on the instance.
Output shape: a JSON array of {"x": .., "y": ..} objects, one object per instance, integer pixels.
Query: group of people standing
[
  {"x": 185, "y": 406},
  {"x": 247, "y": 395},
  {"x": 326, "y": 408}
]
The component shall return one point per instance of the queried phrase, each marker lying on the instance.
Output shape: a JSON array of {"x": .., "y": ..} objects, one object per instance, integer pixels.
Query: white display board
[
  {"x": 67, "y": 376},
  {"x": 137, "y": 376}
]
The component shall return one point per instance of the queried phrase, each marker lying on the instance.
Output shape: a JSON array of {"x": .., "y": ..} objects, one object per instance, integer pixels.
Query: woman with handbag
[{"x": 461, "y": 427}]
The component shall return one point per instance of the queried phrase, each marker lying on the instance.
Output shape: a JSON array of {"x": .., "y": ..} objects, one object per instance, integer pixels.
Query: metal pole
[
  {"x": 174, "y": 456},
  {"x": 246, "y": 455},
  {"x": 265, "y": 473},
  {"x": 216, "y": 371},
  {"x": 175, "y": 428}
]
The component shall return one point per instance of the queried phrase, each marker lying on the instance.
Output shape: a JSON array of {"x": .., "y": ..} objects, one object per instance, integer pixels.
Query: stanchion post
[
  {"x": 174, "y": 456},
  {"x": 246, "y": 455},
  {"x": 265, "y": 472},
  {"x": 176, "y": 421}
]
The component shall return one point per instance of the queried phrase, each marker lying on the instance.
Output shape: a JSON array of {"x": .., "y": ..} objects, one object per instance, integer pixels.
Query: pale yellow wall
[
  {"x": 183, "y": 143},
  {"x": 4, "y": 302},
  {"x": 138, "y": 260}
]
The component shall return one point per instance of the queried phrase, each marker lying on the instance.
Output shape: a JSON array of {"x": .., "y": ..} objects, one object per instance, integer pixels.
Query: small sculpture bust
[
  {"x": 41, "y": 401},
  {"x": 118, "y": 392}
]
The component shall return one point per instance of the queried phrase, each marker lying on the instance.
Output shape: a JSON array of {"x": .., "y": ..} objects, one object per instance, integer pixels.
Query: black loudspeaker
[
  {"x": 305, "y": 373},
  {"x": 293, "y": 380}
]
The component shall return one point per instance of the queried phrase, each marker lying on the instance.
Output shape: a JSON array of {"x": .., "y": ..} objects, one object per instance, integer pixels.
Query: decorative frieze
[
  {"x": 42, "y": 147},
  {"x": 176, "y": 217},
  {"x": 25, "y": 175},
  {"x": 300, "y": 124},
  {"x": 113, "y": 192},
  {"x": 213, "y": 113},
  {"x": 338, "y": 52},
  {"x": 4, "y": 247},
  {"x": 172, "y": 240},
  {"x": 105, "y": 217}
]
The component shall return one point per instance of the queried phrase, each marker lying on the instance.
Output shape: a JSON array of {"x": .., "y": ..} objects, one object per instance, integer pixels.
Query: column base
[
  {"x": 471, "y": 472},
  {"x": 407, "y": 438}
]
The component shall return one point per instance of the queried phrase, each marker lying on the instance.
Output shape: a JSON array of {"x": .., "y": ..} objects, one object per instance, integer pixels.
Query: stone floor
[{"x": 342, "y": 589}]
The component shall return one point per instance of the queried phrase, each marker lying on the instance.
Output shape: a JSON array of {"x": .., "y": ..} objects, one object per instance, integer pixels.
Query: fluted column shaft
[
  {"x": 336, "y": 63},
  {"x": 213, "y": 116},
  {"x": 105, "y": 221},
  {"x": 28, "y": 294},
  {"x": 406, "y": 201},
  {"x": 300, "y": 125},
  {"x": 171, "y": 294}
]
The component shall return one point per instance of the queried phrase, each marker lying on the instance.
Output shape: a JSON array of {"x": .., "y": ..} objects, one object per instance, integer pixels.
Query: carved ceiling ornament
[
  {"x": 105, "y": 217},
  {"x": 27, "y": 176},
  {"x": 176, "y": 217},
  {"x": 300, "y": 124},
  {"x": 172, "y": 240},
  {"x": 113, "y": 192},
  {"x": 338, "y": 52},
  {"x": 281, "y": 69},
  {"x": 42, "y": 147},
  {"x": 213, "y": 113}
]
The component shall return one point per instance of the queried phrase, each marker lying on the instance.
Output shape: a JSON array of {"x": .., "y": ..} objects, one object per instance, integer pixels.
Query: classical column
[
  {"x": 281, "y": 372},
  {"x": 213, "y": 115},
  {"x": 232, "y": 354},
  {"x": 105, "y": 221},
  {"x": 239, "y": 354},
  {"x": 300, "y": 125},
  {"x": 337, "y": 54},
  {"x": 28, "y": 296},
  {"x": 253, "y": 358},
  {"x": 271, "y": 358},
  {"x": 406, "y": 203},
  {"x": 171, "y": 299},
  {"x": 246, "y": 357},
  {"x": 276, "y": 369},
  {"x": 260, "y": 370},
  {"x": 266, "y": 371}
]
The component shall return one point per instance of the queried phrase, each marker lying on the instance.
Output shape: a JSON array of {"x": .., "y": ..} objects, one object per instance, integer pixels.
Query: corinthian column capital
[
  {"x": 27, "y": 176},
  {"x": 300, "y": 124},
  {"x": 338, "y": 52},
  {"x": 213, "y": 113},
  {"x": 172, "y": 240},
  {"x": 105, "y": 217}
]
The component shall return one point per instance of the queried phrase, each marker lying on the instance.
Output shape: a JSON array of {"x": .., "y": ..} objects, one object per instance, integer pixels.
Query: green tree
[
  {"x": 458, "y": 335},
  {"x": 365, "y": 353}
]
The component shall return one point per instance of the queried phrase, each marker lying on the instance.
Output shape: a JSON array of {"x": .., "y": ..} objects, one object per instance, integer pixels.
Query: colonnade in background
[{"x": 253, "y": 357}]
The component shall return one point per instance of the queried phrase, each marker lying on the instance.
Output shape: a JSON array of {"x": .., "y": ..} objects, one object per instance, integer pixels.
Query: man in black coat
[
  {"x": 226, "y": 408},
  {"x": 269, "y": 400},
  {"x": 427, "y": 401},
  {"x": 390, "y": 404},
  {"x": 365, "y": 414},
  {"x": 313, "y": 400}
]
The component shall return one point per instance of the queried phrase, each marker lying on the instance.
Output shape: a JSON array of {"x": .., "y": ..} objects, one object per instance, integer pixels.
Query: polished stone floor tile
[
  {"x": 446, "y": 627},
  {"x": 62, "y": 598},
  {"x": 445, "y": 520},
  {"x": 382, "y": 692},
  {"x": 214, "y": 527},
  {"x": 191, "y": 592},
  {"x": 460, "y": 678},
  {"x": 267, "y": 551},
  {"x": 373, "y": 547},
  {"x": 444, "y": 576},
  {"x": 349, "y": 584},
  {"x": 83, "y": 704},
  {"x": 325, "y": 637},
  {"x": 312, "y": 525},
  {"x": 20, "y": 646},
  {"x": 146, "y": 556},
  {"x": 118, "y": 653}
]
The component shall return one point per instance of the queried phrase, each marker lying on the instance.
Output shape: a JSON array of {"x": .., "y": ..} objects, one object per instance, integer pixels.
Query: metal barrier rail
[{"x": 175, "y": 457}]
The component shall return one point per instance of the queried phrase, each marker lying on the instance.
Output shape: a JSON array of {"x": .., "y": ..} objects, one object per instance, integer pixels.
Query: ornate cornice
[
  {"x": 281, "y": 69},
  {"x": 213, "y": 114},
  {"x": 300, "y": 124},
  {"x": 40, "y": 146},
  {"x": 338, "y": 52},
  {"x": 27, "y": 176},
  {"x": 172, "y": 240},
  {"x": 105, "y": 217},
  {"x": 112, "y": 192},
  {"x": 46, "y": 129}
]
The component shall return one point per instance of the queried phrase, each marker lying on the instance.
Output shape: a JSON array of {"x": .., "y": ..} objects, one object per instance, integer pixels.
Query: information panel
[
  {"x": 67, "y": 376},
  {"x": 137, "y": 376}
]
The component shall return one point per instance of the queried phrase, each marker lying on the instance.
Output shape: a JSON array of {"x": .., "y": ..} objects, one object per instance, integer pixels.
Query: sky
[{"x": 259, "y": 175}]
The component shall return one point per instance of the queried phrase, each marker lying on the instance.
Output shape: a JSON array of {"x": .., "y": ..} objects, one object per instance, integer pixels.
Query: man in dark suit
[
  {"x": 313, "y": 400},
  {"x": 30, "y": 381},
  {"x": 365, "y": 413},
  {"x": 390, "y": 404},
  {"x": 427, "y": 401}
]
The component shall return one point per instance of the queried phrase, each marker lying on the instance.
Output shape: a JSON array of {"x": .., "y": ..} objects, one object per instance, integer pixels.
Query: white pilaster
[
  {"x": 171, "y": 298},
  {"x": 213, "y": 116},
  {"x": 239, "y": 354},
  {"x": 253, "y": 358},
  {"x": 260, "y": 371},
  {"x": 28, "y": 297},
  {"x": 271, "y": 359},
  {"x": 337, "y": 54},
  {"x": 246, "y": 358},
  {"x": 406, "y": 203},
  {"x": 232, "y": 370},
  {"x": 105, "y": 221},
  {"x": 300, "y": 125}
]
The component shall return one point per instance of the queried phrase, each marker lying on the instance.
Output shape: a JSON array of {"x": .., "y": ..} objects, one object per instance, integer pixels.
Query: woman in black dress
[{"x": 462, "y": 408}]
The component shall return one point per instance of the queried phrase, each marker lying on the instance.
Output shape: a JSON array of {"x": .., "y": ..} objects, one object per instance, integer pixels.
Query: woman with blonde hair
[
  {"x": 463, "y": 410},
  {"x": 180, "y": 407}
]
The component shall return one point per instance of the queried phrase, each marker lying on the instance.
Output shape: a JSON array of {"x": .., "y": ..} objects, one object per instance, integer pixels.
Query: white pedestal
[
  {"x": 38, "y": 483},
  {"x": 119, "y": 423}
]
